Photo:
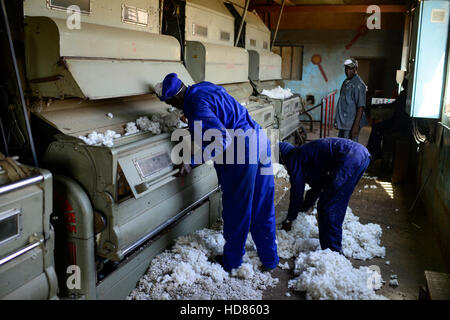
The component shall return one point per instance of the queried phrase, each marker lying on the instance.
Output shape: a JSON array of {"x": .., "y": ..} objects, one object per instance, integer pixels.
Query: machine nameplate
[
  {"x": 10, "y": 225},
  {"x": 150, "y": 165}
]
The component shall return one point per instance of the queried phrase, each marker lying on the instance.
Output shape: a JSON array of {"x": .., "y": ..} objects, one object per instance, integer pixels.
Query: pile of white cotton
[
  {"x": 327, "y": 275},
  {"x": 156, "y": 125},
  {"x": 185, "y": 272},
  {"x": 358, "y": 241},
  {"x": 106, "y": 139},
  {"x": 145, "y": 124},
  {"x": 278, "y": 93},
  {"x": 361, "y": 241}
]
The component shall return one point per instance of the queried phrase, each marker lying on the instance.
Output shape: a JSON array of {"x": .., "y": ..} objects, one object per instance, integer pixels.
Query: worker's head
[
  {"x": 171, "y": 91},
  {"x": 285, "y": 148},
  {"x": 351, "y": 67}
]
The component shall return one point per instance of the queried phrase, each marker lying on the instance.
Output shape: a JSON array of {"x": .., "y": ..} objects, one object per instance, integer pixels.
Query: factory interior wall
[
  {"x": 385, "y": 45},
  {"x": 433, "y": 173}
]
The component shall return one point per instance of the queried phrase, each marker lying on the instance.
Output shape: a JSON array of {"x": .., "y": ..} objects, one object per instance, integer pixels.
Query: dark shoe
[
  {"x": 287, "y": 225},
  {"x": 267, "y": 269},
  {"x": 217, "y": 259}
]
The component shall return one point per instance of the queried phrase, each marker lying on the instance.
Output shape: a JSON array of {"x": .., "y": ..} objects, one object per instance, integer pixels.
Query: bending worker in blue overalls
[
  {"x": 331, "y": 167},
  {"x": 247, "y": 194}
]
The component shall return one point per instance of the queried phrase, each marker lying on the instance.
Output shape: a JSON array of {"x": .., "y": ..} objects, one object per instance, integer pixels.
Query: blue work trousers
[
  {"x": 247, "y": 198},
  {"x": 331, "y": 210}
]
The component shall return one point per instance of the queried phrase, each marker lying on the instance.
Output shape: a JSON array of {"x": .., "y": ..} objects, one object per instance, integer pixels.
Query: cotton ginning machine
[
  {"x": 210, "y": 55},
  {"x": 116, "y": 205},
  {"x": 26, "y": 236},
  {"x": 265, "y": 71}
]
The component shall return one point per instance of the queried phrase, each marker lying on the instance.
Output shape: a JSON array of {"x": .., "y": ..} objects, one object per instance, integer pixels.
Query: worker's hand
[
  {"x": 185, "y": 169},
  {"x": 286, "y": 225},
  {"x": 184, "y": 119},
  {"x": 355, "y": 132}
]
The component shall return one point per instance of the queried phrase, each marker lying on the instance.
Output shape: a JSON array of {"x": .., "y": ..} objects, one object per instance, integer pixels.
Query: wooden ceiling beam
[{"x": 385, "y": 8}]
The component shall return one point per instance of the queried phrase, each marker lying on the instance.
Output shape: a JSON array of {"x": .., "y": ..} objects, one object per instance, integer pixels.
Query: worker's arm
[
  {"x": 203, "y": 120},
  {"x": 355, "y": 126},
  {"x": 360, "y": 101},
  {"x": 310, "y": 198}
]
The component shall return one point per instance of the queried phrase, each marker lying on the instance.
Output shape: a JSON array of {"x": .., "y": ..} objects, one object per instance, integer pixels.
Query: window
[
  {"x": 134, "y": 15},
  {"x": 199, "y": 30},
  {"x": 225, "y": 36},
  {"x": 85, "y": 5},
  {"x": 252, "y": 42},
  {"x": 292, "y": 61}
]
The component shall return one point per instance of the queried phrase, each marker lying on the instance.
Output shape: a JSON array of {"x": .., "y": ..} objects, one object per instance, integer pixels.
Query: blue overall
[
  {"x": 332, "y": 167},
  {"x": 247, "y": 194}
]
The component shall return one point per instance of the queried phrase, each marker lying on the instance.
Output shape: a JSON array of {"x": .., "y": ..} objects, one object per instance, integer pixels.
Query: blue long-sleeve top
[
  {"x": 325, "y": 165},
  {"x": 216, "y": 109}
]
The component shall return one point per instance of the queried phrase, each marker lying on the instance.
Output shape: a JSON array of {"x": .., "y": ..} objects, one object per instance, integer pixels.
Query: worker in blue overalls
[
  {"x": 332, "y": 168},
  {"x": 247, "y": 194}
]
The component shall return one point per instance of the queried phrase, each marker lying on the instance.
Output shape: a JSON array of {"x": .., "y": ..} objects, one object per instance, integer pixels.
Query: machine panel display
[{"x": 150, "y": 165}]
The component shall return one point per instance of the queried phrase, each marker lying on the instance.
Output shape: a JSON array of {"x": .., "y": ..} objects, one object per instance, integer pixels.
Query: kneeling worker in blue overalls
[
  {"x": 332, "y": 168},
  {"x": 247, "y": 195}
]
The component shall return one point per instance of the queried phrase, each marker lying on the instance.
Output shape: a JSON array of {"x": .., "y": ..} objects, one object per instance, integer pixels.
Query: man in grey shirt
[{"x": 352, "y": 101}]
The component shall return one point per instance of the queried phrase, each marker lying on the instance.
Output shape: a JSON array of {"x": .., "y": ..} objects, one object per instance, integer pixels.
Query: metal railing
[{"x": 327, "y": 117}]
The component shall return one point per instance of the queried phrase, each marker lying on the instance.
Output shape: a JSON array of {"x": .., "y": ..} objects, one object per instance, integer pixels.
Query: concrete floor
[{"x": 410, "y": 245}]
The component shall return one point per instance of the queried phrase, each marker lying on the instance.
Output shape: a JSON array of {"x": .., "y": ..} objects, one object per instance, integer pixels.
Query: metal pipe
[
  {"x": 278, "y": 24},
  {"x": 167, "y": 223},
  {"x": 21, "y": 252},
  {"x": 20, "y": 184},
  {"x": 19, "y": 84},
  {"x": 247, "y": 2}
]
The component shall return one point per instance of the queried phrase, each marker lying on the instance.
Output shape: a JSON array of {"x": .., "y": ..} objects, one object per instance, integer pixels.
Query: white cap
[{"x": 351, "y": 63}]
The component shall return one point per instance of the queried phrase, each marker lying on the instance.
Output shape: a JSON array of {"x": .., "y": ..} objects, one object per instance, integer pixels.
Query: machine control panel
[
  {"x": 148, "y": 169},
  {"x": 151, "y": 165}
]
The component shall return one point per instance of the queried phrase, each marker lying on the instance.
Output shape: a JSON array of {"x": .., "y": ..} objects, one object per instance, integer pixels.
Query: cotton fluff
[
  {"x": 145, "y": 124},
  {"x": 278, "y": 93},
  {"x": 106, "y": 139},
  {"x": 279, "y": 171},
  {"x": 302, "y": 236},
  {"x": 131, "y": 128},
  {"x": 185, "y": 272},
  {"x": 327, "y": 275},
  {"x": 358, "y": 241},
  {"x": 365, "y": 176},
  {"x": 361, "y": 241}
]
